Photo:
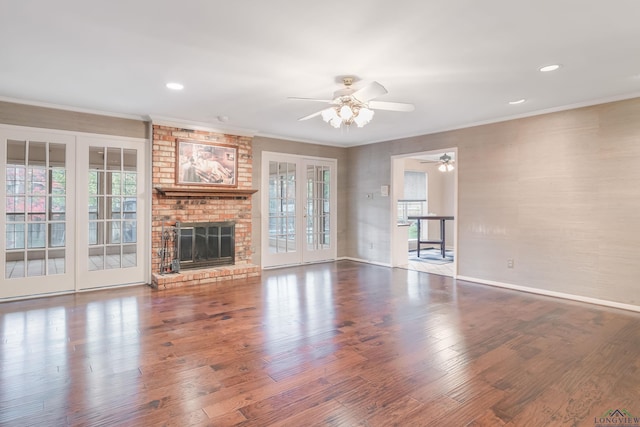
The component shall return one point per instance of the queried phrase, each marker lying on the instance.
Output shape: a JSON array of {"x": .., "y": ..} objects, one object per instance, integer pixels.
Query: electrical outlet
[{"x": 510, "y": 263}]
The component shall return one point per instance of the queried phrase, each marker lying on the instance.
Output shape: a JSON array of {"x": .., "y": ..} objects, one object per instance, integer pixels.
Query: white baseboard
[
  {"x": 274, "y": 267},
  {"x": 555, "y": 294},
  {"x": 346, "y": 258}
]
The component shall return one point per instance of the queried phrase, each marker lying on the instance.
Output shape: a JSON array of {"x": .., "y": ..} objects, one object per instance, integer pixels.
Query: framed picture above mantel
[{"x": 207, "y": 164}]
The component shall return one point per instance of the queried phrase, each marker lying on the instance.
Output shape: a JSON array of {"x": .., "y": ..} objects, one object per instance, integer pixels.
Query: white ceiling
[{"x": 458, "y": 61}]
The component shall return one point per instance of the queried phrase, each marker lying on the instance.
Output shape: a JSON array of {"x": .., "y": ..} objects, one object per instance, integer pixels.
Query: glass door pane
[
  {"x": 318, "y": 203},
  {"x": 35, "y": 209},
  {"x": 112, "y": 208},
  {"x": 282, "y": 207}
]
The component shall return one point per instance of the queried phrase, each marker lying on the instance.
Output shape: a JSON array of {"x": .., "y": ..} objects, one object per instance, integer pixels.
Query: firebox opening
[{"x": 209, "y": 244}]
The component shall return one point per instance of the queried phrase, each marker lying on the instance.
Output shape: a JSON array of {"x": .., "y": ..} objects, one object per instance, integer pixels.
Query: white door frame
[{"x": 396, "y": 258}]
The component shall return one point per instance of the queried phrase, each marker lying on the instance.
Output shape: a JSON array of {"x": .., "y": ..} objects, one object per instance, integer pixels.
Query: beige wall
[
  {"x": 558, "y": 193},
  {"x": 261, "y": 144},
  {"x": 50, "y": 118}
]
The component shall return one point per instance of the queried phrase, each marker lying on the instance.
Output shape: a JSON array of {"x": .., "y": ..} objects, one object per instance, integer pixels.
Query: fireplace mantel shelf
[{"x": 205, "y": 192}]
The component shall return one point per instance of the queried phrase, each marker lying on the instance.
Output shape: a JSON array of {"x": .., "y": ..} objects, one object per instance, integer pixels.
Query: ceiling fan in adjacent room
[
  {"x": 350, "y": 106},
  {"x": 445, "y": 160}
]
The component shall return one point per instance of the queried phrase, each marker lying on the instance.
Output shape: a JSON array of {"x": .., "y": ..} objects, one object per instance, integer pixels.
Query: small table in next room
[{"x": 442, "y": 240}]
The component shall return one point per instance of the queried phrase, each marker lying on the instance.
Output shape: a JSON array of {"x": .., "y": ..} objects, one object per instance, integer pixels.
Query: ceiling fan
[
  {"x": 350, "y": 106},
  {"x": 446, "y": 163}
]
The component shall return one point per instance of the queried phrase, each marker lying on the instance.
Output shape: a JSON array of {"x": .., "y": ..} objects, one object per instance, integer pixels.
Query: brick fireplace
[{"x": 174, "y": 202}]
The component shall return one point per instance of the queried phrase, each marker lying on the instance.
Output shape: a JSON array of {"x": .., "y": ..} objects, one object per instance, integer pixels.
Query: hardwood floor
[{"x": 330, "y": 344}]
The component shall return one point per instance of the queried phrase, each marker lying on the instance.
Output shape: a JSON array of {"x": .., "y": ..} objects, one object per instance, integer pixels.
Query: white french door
[
  {"x": 112, "y": 213},
  {"x": 37, "y": 211},
  {"x": 72, "y": 210},
  {"x": 298, "y": 209}
]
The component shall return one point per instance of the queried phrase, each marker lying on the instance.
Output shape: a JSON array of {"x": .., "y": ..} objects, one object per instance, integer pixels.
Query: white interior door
[
  {"x": 319, "y": 207},
  {"x": 280, "y": 216},
  {"x": 37, "y": 210},
  {"x": 298, "y": 205},
  {"x": 112, "y": 217}
]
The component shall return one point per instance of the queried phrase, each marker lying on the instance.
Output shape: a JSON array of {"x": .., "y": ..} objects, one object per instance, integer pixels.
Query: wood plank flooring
[{"x": 336, "y": 344}]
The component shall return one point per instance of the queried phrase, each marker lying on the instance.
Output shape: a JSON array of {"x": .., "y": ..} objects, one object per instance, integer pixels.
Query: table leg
[
  {"x": 418, "y": 240},
  {"x": 442, "y": 238}
]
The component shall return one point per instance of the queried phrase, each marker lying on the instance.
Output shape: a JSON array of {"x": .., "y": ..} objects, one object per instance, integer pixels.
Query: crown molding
[
  {"x": 194, "y": 125},
  {"x": 73, "y": 109}
]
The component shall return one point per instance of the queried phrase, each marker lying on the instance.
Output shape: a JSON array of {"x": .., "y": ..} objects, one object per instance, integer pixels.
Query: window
[{"x": 414, "y": 202}]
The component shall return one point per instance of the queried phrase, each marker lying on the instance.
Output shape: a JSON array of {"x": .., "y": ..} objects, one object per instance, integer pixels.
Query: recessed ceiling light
[
  {"x": 548, "y": 68},
  {"x": 518, "y": 101},
  {"x": 175, "y": 86}
]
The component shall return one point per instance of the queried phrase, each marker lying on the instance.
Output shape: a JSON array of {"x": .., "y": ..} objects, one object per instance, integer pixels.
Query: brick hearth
[{"x": 198, "y": 207}]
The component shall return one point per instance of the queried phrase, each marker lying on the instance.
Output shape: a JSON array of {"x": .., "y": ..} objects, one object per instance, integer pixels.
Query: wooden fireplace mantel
[{"x": 230, "y": 193}]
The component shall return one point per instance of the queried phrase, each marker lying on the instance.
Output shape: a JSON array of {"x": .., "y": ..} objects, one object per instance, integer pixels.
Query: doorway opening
[{"x": 425, "y": 192}]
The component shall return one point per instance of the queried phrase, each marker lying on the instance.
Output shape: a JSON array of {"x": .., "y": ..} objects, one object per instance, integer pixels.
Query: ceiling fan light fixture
[
  {"x": 446, "y": 163},
  {"x": 335, "y": 122},
  {"x": 363, "y": 117},
  {"x": 329, "y": 114},
  {"x": 350, "y": 106},
  {"x": 346, "y": 113}
]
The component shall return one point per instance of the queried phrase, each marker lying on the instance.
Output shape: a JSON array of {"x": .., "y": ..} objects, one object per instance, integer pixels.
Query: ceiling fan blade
[
  {"x": 310, "y": 116},
  {"x": 367, "y": 93},
  {"x": 310, "y": 99},
  {"x": 391, "y": 106}
]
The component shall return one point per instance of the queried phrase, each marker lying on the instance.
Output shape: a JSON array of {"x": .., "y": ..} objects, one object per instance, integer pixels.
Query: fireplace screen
[{"x": 209, "y": 244}]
